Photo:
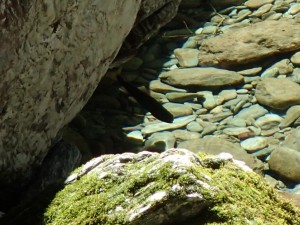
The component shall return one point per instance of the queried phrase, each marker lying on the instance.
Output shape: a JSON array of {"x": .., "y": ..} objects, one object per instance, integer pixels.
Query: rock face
[
  {"x": 278, "y": 93},
  {"x": 52, "y": 56},
  {"x": 153, "y": 189},
  {"x": 250, "y": 44}
]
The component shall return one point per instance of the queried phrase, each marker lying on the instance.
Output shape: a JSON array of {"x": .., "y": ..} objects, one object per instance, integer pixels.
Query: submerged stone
[{"x": 201, "y": 77}]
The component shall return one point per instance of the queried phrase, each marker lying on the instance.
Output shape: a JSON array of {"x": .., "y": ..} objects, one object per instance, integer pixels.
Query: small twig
[
  {"x": 220, "y": 15},
  {"x": 186, "y": 26}
]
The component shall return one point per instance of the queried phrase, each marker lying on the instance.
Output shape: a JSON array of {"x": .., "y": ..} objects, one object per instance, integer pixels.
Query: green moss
[
  {"x": 94, "y": 201},
  {"x": 237, "y": 198},
  {"x": 245, "y": 198}
]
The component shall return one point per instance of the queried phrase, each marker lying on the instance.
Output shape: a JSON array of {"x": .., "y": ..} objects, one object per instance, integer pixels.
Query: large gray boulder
[{"x": 52, "y": 56}]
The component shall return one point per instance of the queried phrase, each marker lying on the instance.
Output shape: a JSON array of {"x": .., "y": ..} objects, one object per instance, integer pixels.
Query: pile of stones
[{"x": 231, "y": 79}]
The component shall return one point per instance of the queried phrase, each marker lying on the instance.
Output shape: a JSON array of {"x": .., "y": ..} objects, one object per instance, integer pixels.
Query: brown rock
[
  {"x": 187, "y": 57},
  {"x": 293, "y": 140},
  {"x": 201, "y": 77},
  {"x": 285, "y": 162},
  {"x": 254, "y": 4},
  {"x": 250, "y": 44},
  {"x": 292, "y": 115},
  {"x": 296, "y": 59},
  {"x": 278, "y": 93}
]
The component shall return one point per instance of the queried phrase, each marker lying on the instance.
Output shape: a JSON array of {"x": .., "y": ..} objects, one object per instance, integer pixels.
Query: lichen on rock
[{"x": 174, "y": 186}]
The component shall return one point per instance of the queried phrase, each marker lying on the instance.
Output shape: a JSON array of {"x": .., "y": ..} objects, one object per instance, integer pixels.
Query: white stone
[
  {"x": 295, "y": 59},
  {"x": 294, "y": 9}
]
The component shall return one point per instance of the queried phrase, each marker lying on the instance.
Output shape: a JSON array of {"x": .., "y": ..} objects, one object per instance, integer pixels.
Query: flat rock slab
[
  {"x": 202, "y": 77},
  {"x": 250, "y": 44},
  {"x": 278, "y": 93}
]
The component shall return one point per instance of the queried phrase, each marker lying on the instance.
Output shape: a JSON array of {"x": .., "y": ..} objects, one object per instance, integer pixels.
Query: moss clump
[
  {"x": 108, "y": 201},
  {"x": 245, "y": 198},
  {"x": 234, "y": 196}
]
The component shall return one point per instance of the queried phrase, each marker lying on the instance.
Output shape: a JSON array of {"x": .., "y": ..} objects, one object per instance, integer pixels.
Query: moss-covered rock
[{"x": 151, "y": 188}]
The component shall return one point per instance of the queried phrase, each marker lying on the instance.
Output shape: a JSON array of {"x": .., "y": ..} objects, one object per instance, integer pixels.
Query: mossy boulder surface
[{"x": 174, "y": 186}]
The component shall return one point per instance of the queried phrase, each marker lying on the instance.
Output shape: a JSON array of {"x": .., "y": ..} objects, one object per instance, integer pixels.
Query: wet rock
[
  {"x": 179, "y": 109},
  {"x": 210, "y": 101},
  {"x": 275, "y": 16},
  {"x": 236, "y": 131},
  {"x": 135, "y": 137},
  {"x": 219, "y": 116},
  {"x": 268, "y": 121},
  {"x": 282, "y": 67},
  {"x": 294, "y": 9},
  {"x": 253, "y": 111},
  {"x": 285, "y": 162},
  {"x": 183, "y": 135},
  {"x": 194, "y": 127},
  {"x": 160, "y": 141},
  {"x": 209, "y": 129},
  {"x": 201, "y": 77},
  {"x": 254, "y": 144},
  {"x": 278, "y": 93},
  {"x": 295, "y": 59},
  {"x": 262, "y": 10},
  {"x": 228, "y": 94},
  {"x": 250, "y": 72},
  {"x": 292, "y": 114},
  {"x": 292, "y": 140},
  {"x": 236, "y": 122},
  {"x": 187, "y": 57}
]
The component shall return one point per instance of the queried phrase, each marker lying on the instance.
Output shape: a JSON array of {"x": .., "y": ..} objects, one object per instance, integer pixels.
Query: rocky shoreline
[{"x": 232, "y": 84}]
